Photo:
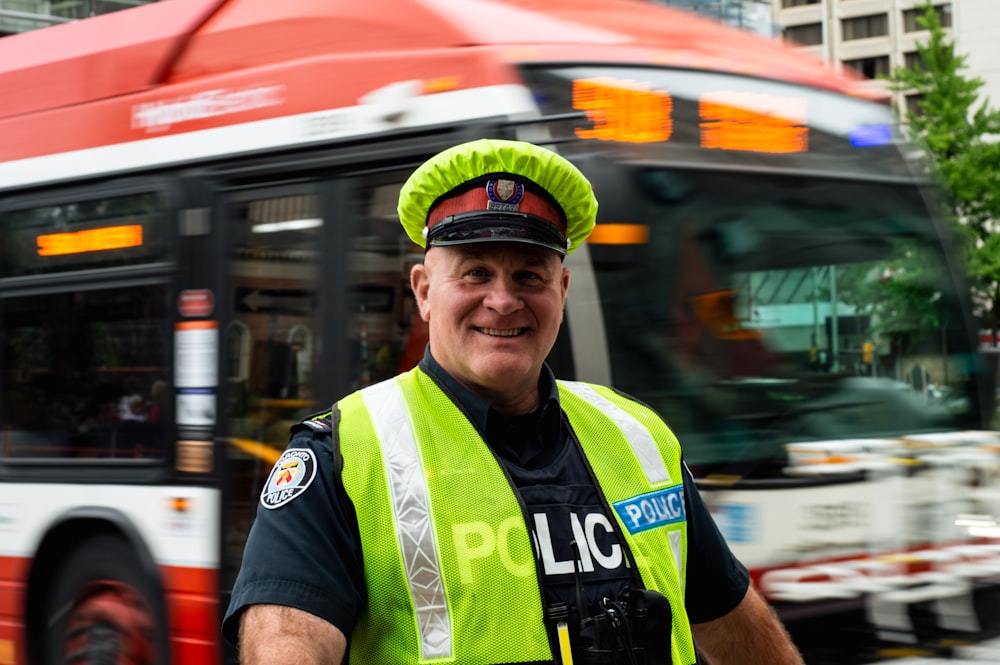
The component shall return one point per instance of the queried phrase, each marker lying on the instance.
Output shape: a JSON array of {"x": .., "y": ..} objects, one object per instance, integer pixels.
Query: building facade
[
  {"x": 24, "y": 15},
  {"x": 874, "y": 37},
  {"x": 754, "y": 15}
]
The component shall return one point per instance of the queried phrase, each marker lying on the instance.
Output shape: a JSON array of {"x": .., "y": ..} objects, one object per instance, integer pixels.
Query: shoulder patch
[
  {"x": 316, "y": 423},
  {"x": 292, "y": 474}
]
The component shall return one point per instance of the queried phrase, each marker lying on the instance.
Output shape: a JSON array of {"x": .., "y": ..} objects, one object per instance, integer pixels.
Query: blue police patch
[{"x": 653, "y": 509}]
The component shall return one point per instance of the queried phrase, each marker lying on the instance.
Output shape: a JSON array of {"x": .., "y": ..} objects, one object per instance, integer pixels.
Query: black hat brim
[{"x": 497, "y": 226}]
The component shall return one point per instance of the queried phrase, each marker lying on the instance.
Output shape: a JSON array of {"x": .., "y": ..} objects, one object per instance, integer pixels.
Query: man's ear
[{"x": 420, "y": 283}]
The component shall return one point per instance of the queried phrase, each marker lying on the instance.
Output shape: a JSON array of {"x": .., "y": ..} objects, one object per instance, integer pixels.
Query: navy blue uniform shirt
[{"x": 306, "y": 553}]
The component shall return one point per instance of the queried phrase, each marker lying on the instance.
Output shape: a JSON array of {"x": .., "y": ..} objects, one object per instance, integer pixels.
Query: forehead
[{"x": 495, "y": 252}]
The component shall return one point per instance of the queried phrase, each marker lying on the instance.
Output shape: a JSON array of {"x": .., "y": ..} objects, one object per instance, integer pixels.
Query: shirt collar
[{"x": 478, "y": 409}]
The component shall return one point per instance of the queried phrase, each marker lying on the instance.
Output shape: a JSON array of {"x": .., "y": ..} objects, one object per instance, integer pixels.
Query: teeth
[{"x": 502, "y": 332}]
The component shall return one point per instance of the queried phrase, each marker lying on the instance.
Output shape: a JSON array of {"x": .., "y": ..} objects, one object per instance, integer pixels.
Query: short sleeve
[
  {"x": 303, "y": 549},
  {"x": 716, "y": 580}
]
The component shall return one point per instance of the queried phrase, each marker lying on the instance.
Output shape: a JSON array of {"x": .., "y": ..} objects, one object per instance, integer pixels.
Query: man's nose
[{"x": 503, "y": 297}]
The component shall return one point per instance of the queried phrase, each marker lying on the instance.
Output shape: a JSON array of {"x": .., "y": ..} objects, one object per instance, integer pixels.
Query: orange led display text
[
  {"x": 753, "y": 122},
  {"x": 621, "y": 110},
  {"x": 90, "y": 240}
]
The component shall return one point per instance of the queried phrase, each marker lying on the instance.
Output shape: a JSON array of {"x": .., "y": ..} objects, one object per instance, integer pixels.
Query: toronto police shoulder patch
[{"x": 292, "y": 474}]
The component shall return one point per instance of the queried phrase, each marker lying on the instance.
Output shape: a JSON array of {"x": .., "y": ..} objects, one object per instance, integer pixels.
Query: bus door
[
  {"x": 317, "y": 304},
  {"x": 270, "y": 337}
]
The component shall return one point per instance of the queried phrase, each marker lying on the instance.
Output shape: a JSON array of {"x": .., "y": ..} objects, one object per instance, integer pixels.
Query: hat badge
[{"x": 504, "y": 194}]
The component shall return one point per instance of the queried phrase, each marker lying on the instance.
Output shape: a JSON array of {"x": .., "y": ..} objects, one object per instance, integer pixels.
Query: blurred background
[{"x": 795, "y": 263}]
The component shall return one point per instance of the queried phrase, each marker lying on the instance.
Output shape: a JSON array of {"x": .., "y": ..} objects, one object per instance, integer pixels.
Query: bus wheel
[{"x": 100, "y": 609}]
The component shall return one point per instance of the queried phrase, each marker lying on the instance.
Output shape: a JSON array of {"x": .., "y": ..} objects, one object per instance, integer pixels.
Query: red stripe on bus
[
  {"x": 111, "y": 121},
  {"x": 12, "y": 647},
  {"x": 194, "y": 652},
  {"x": 192, "y": 602},
  {"x": 13, "y": 581},
  {"x": 13, "y": 578}
]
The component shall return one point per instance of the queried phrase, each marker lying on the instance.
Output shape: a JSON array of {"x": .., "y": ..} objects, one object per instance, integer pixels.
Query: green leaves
[{"x": 962, "y": 133}]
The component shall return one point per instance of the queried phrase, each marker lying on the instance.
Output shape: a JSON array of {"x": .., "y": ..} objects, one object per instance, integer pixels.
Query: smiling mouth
[{"x": 502, "y": 332}]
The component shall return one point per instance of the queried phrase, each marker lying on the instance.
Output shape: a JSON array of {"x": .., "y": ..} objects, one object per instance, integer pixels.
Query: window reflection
[
  {"x": 85, "y": 374},
  {"x": 383, "y": 318},
  {"x": 764, "y": 310},
  {"x": 275, "y": 273}
]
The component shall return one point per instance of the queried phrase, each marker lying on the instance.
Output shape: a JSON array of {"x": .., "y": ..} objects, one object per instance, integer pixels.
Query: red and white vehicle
[{"x": 198, "y": 246}]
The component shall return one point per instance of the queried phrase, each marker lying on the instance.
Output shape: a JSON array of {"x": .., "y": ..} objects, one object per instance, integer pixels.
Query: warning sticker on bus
[{"x": 292, "y": 474}]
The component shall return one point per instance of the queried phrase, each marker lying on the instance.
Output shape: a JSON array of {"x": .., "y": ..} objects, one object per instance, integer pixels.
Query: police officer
[{"x": 475, "y": 509}]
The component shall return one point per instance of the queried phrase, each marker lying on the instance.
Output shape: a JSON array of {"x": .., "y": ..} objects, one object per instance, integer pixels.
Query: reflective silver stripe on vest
[
  {"x": 412, "y": 516},
  {"x": 638, "y": 437},
  {"x": 677, "y": 549}
]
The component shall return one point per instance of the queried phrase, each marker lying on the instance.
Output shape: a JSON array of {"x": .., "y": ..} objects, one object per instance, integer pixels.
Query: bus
[{"x": 199, "y": 247}]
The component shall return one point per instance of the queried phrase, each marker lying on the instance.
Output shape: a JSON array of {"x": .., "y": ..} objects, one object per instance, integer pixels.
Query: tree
[
  {"x": 899, "y": 292},
  {"x": 961, "y": 133}
]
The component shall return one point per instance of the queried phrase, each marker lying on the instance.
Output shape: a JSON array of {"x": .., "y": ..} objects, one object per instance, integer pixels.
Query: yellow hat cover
[{"x": 493, "y": 190}]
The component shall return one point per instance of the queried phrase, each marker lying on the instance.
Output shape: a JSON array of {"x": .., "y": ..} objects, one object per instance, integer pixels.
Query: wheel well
[{"x": 53, "y": 550}]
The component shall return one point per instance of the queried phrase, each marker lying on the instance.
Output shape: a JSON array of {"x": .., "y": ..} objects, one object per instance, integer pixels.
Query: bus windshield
[{"x": 757, "y": 310}]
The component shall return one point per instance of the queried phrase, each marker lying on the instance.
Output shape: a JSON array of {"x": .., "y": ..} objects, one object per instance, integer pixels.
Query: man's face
[{"x": 493, "y": 311}]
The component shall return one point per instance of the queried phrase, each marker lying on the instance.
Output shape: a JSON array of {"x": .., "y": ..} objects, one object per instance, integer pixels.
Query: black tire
[{"x": 102, "y": 609}]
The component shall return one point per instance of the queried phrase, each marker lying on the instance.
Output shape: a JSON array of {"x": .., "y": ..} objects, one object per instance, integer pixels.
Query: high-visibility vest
[{"x": 448, "y": 559}]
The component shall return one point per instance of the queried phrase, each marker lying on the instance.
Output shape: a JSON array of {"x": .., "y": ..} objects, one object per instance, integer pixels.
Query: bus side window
[
  {"x": 84, "y": 354},
  {"x": 82, "y": 373}
]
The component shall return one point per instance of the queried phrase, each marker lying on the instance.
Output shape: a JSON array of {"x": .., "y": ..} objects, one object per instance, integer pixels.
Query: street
[{"x": 849, "y": 639}]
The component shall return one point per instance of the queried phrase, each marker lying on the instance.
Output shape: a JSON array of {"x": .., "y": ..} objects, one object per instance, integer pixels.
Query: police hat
[{"x": 493, "y": 190}]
